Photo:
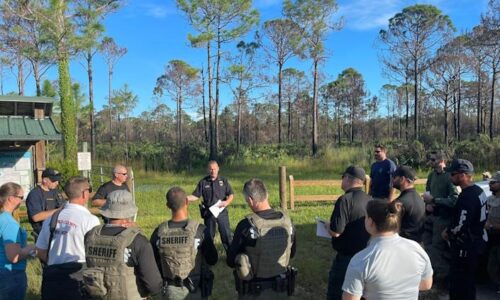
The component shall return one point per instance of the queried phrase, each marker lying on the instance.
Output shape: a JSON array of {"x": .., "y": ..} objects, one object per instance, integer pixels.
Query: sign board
[
  {"x": 16, "y": 166},
  {"x": 84, "y": 161}
]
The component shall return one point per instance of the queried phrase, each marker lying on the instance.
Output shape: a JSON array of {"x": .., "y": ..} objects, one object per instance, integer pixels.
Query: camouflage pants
[
  {"x": 438, "y": 249},
  {"x": 267, "y": 294},
  {"x": 180, "y": 293}
]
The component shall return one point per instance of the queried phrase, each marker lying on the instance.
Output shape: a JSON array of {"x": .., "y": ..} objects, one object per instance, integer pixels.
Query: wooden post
[
  {"x": 282, "y": 171},
  {"x": 85, "y": 172},
  {"x": 101, "y": 173},
  {"x": 292, "y": 193}
]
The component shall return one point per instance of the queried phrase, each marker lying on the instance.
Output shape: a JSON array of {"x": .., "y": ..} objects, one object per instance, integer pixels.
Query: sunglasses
[
  {"x": 455, "y": 173},
  {"x": 18, "y": 197},
  {"x": 124, "y": 174}
]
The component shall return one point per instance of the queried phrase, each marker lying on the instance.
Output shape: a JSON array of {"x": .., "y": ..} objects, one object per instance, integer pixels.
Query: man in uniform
[
  {"x": 466, "y": 233},
  {"x": 214, "y": 188},
  {"x": 182, "y": 249},
  {"x": 120, "y": 254},
  {"x": 381, "y": 175},
  {"x": 347, "y": 227},
  {"x": 119, "y": 182},
  {"x": 413, "y": 205},
  {"x": 44, "y": 199},
  {"x": 60, "y": 243},
  {"x": 440, "y": 198},
  {"x": 493, "y": 227},
  {"x": 262, "y": 246}
]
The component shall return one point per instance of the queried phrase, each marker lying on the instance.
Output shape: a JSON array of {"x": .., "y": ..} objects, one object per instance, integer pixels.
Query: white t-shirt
[
  {"x": 390, "y": 267},
  {"x": 67, "y": 244}
]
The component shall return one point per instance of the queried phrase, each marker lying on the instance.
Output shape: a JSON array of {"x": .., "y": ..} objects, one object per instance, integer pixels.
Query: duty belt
[{"x": 187, "y": 282}]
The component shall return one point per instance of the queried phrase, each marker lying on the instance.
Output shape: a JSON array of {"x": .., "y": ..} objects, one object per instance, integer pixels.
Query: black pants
[
  {"x": 224, "y": 229},
  {"x": 463, "y": 276},
  {"x": 57, "y": 283}
]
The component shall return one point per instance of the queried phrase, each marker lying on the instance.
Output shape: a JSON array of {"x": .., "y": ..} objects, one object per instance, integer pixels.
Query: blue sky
[{"x": 155, "y": 31}]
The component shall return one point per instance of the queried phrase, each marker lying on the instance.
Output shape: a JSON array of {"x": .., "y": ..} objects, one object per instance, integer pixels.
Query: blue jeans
[
  {"x": 13, "y": 284},
  {"x": 336, "y": 276}
]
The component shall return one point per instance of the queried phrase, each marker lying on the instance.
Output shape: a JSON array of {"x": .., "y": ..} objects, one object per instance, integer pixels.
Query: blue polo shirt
[
  {"x": 11, "y": 232},
  {"x": 381, "y": 176}
]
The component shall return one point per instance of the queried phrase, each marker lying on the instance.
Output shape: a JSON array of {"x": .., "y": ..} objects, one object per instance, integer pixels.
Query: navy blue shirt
[
  {"x": 213, "y": 191},
  {"x": 39, "y": 200},
  {"x": 381, "y": 177}
]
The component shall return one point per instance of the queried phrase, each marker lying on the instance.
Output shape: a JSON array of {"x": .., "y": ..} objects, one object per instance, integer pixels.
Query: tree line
[{"x": 441, "y": 86}]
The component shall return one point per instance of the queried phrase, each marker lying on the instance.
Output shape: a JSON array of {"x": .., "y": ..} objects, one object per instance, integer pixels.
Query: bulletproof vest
[
  {"x": 271, "y": 254},
  {"x": 178, "y": 252},
  {"x": 109, "y": 252}
]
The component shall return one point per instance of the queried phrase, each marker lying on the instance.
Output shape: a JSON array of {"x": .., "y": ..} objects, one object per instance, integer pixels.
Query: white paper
[
  {"x": 321, "y": 231},
  {"x": 215, "y": 209}
]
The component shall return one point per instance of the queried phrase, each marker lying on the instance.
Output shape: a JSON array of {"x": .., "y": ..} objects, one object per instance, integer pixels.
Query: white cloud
[
  {"x": 157, "y": 10},
  {"x": 369, "y": 14}
]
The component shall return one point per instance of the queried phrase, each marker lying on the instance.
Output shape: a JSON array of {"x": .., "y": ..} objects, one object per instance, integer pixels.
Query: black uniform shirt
[
  {"x": 206, "y": 247},
  {"x": 142, "y": 259},
  {"x": 242, "y": 237},
  {"x": 469, "y": 217},
  {"x": 413, "y": 215},
  {"x": 213, "y": 191},
  {"x": 348, "y": 219},
  {"x": 108, "y": 187}
]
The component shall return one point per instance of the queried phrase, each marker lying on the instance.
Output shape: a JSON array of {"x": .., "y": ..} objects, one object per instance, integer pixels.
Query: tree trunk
[
  {"x": 446, "y": 117},
  {"x": 203, "y": 108},
  {"x": 407, "y": 117},
  {"x": 36, "y": 75},
  {"x": 180, "y": 120},
  {"x": 492, "y": 104},
  {"x": 289, "y": 127},
  {"x": 479, "y": 113},
  {"x": 280, "y": 79},
  {"x": 213, "y": 147},
  {"x": 217, "y": 87},
  {"x": 415, "y": 94},
  {"x": 68, "y": 114},
  {"x": 20, "y": 75},
  {"x": 110, "y": 75},
  {"x": 90, "y": 75},
  {"x": 315, "y": 110},
  {"x": 459, "y": 102}
]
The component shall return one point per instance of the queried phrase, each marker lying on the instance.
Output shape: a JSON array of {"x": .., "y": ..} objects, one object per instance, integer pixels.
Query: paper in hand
[
  {"x": 215, "y": 209},
  {"x": 321, "y": 231}
]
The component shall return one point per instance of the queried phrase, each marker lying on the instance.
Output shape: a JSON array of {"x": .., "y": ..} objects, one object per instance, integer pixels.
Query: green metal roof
[
  {"x": 31, "y": 99},
  {"x": 24, "y": 128}
]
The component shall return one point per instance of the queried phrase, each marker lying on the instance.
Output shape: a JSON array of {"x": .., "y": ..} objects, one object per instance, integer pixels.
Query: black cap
[
  {"x": 405, "y": 171},
  {"x": 355, "y": 172},
  {"x": 51, "y": 174},
  {"x": 461, "y": 166}
]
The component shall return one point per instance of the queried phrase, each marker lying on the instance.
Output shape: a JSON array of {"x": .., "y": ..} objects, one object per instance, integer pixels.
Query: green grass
[{"x": 314, "y": 255}]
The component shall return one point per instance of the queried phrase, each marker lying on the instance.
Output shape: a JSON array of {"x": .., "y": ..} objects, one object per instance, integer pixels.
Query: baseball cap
[
  {"x": 495, "y": 177},
  {"x": 405, "y": 171},
  {"x": 119, "y": 205},
  {"x": 461, "y": 166},
  {"x": 355, "y": 172},
  {"x": 51, "y": 174}
]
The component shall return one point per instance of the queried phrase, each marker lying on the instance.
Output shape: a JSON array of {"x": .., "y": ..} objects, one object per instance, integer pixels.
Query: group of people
[
  {"x": 390, "y": 247},
  {"x": 84, "y": 259},
  {"x": 387, "y": 247}
]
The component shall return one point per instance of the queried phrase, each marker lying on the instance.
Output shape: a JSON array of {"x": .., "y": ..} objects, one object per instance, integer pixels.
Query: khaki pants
[{"x": 438, "y": 250}]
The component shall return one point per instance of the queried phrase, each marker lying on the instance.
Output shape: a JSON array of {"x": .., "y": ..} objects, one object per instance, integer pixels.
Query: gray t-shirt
[{"x": 390, "y": 267}]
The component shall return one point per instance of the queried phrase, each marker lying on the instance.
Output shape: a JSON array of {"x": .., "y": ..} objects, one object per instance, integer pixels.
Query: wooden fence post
[
  {"x": 292, "y": 193},
  {"x": 282, "y": 171}
]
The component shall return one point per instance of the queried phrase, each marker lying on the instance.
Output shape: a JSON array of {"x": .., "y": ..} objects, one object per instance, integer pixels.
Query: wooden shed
[{"x": 25, "y": 126}]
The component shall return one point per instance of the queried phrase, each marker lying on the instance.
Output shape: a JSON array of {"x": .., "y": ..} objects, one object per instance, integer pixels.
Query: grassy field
[{"x": 314, "y": 255}]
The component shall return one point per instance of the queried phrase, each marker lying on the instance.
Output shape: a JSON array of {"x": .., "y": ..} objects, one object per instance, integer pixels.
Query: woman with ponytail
[
  {"x": 13, "y": 248},
  {"x": 390, "y": 267}
]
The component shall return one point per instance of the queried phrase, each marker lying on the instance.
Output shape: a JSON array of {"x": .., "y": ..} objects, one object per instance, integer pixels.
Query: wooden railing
[
  {"x": 329, "y": 183},
  {"x": 316, "y": 183}
]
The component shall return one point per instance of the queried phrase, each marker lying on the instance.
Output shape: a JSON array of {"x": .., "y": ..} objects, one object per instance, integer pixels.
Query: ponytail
[{"x": 385, "y": 215}]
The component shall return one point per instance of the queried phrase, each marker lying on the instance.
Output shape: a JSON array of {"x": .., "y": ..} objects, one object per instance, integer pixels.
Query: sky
[{"x": 155, "y": 31}]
